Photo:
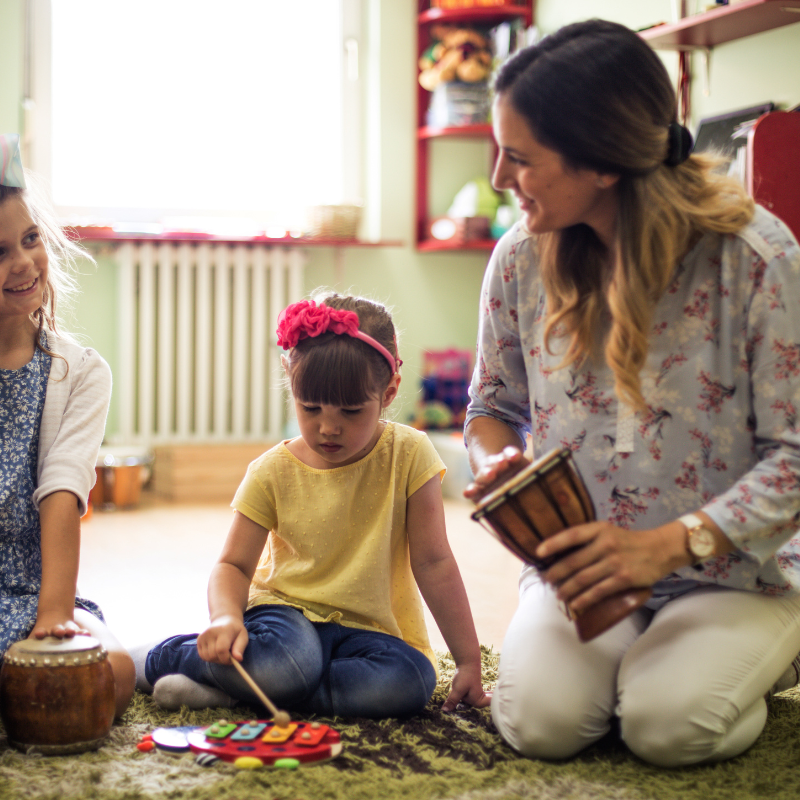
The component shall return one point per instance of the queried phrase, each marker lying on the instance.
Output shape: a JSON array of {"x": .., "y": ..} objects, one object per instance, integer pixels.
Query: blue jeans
[{"x": 316, "y": 667}]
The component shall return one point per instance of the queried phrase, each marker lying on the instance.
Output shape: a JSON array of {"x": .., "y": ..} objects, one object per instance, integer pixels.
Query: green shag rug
[{"x": 454, "y": 756}]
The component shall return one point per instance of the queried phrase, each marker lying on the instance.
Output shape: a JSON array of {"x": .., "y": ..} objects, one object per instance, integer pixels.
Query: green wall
[
  {"x": 11, "y": 61},
  {"x": 434, "y": 296},
  {"x": 739, "y": 74}
]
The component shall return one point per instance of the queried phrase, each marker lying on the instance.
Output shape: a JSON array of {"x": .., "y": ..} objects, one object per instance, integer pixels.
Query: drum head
[
  {"x": 52, "y": 646},
  {"x": 522, "y": 477}
]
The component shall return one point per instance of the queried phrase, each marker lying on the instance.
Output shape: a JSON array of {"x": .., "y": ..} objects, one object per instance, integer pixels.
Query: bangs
[
  {"x": 9, "y": 191},
  {"x": 337, "y": 371}
]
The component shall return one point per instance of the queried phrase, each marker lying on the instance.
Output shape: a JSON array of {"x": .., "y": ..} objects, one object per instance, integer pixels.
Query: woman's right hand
[
  {"x": 495, "y": 470},
  {"x": 225, "y": 638}
]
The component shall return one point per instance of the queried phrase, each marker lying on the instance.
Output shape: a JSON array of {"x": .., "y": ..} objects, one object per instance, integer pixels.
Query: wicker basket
[{"x": 334, "y": 222}]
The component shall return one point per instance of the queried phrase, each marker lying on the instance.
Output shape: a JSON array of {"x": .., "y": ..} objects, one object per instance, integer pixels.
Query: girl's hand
[
  {"x": 610, "y": 559},
  {"x": 224, "y": 638},
  {"x": 467, "y": 688},
  {"x": 56, "y": 626},
  {"x": 494, "y": 470}
]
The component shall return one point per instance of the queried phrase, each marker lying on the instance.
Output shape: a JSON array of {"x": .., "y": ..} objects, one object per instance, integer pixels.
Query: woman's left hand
[{"x": 609, "y": 560}]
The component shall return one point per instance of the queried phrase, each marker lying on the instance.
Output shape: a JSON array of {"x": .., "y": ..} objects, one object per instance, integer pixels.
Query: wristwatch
[{"x": 700, "y": 542}]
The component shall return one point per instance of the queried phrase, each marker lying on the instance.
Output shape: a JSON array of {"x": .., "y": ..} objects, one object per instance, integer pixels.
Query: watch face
[{"x": 701, "y": 543}]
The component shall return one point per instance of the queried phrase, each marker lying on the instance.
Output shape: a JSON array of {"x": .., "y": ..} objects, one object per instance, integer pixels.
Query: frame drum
[
  {"x": 537, "y": 502},
  {"x": 57, "y": 695}
]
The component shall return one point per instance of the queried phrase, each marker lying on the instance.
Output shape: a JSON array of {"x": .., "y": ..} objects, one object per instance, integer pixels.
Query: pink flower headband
[{"x": 306, "y": 319}]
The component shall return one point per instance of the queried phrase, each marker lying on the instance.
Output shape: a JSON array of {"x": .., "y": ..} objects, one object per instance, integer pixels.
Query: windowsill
[{"x": 107, "y": 234}]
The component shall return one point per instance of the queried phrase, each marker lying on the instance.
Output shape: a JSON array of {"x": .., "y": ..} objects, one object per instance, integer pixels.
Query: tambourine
[
  {"x": 57, "y": 696},
  {"x": 537, "y": 502}
]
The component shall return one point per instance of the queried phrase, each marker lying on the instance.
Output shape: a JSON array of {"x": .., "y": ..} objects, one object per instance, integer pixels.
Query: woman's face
[{"x": 551, "y": 195}]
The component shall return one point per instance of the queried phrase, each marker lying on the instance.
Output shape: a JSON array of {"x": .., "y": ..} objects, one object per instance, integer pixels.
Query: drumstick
[{"x": 281, "y": 717}]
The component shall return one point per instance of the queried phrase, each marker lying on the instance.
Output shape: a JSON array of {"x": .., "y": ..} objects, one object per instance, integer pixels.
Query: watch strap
[{"x": 691, "y": 521}]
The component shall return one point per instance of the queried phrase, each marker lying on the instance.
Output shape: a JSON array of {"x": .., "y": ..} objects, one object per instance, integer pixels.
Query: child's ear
[
  {"x": 391, "y": 390},
  {"x": 285, "y": 364}
]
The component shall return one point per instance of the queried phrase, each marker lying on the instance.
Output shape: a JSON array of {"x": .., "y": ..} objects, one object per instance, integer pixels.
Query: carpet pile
[{"x": 455, "y": 756}]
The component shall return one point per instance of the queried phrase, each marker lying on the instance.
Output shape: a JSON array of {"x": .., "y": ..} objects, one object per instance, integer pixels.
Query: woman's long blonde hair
[{"x": 599, "y": 96}]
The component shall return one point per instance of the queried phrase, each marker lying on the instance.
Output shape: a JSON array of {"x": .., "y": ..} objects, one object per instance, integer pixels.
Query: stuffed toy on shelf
[{"x": 456, "y": 54}]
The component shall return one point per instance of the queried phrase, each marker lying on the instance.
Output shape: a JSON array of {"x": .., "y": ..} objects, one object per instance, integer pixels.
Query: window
[{"x": 230, "y": 116}]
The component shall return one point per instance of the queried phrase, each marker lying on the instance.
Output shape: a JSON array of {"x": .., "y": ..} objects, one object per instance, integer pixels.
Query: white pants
[{"x": 686, "y": 682}]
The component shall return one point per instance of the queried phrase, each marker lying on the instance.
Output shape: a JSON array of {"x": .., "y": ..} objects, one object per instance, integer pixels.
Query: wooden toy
[
  {"x": 57, "y": 695},
  {"x": 281, "y": 717},
  {"x": 253, "y": 743}
]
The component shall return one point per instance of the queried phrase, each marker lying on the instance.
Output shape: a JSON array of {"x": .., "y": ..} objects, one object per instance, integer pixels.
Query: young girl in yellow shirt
[{"x": 316, "y": 589}]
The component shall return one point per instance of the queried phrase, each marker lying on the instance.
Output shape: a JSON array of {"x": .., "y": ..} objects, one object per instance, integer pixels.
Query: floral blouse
[{"x": 722, "y": 388}]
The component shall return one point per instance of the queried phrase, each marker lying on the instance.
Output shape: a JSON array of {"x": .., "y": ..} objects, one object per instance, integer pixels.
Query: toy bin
[
  {"x": 120, "y": 477},
  {"x": 456, "y": 104}
]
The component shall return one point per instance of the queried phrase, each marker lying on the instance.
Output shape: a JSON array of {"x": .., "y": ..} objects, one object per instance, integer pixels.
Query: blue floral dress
[{"x": 22, "y": 395}]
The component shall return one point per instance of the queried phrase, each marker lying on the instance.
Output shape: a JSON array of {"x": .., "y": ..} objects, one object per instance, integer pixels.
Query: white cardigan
[{"x": 73, "y": 420}]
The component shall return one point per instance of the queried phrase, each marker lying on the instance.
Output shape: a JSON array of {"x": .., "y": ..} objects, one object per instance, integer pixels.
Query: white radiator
[{"x": 197, "y": 355}]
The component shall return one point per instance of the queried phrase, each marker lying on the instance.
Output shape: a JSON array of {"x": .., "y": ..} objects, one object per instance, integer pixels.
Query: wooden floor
[{"x": 148, "y": 568}]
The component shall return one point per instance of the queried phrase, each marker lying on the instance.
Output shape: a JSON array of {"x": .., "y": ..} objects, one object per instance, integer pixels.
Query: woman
[{"x": 645, "y": 315}]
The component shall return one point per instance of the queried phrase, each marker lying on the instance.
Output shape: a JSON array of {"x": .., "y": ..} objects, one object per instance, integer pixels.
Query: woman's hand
[
  {"x": 467, "y": 688},
  {"x": 494, "y": 470},
  {"x": 57, "y": 625},
  {"x": 225, "y": 638},
  {"x": 610, "y": 559}
]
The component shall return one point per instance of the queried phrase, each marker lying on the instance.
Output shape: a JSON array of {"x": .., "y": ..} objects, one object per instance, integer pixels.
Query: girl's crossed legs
[
  {"x": 687, "y": 682},
  {"x": 318, "y": 667}
]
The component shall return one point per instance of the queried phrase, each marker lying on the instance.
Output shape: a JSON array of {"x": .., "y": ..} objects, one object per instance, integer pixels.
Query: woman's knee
[
  {"x": 668, "y": 730},
  {"x": 537, "y": 728}
]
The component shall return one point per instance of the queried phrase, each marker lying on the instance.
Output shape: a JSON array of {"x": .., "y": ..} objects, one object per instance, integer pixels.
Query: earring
[{"x": 602, "y": 183}]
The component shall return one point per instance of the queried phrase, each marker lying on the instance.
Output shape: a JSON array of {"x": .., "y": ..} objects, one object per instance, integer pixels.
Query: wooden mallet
[{"x": 281, "y": 718}]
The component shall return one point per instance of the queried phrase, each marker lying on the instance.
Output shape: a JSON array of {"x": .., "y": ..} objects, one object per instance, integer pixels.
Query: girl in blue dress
[{"x": 54, "y": 398}]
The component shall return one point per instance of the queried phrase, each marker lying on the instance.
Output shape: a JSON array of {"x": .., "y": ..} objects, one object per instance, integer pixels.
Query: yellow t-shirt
[{"x": 338, "y": 543}]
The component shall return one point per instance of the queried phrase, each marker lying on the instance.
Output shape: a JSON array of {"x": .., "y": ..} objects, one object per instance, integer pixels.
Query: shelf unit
[
  {"x": 723, "y": 24},
  {"x": 773, "y": 173},
  {"x": 485, "y": 17}
]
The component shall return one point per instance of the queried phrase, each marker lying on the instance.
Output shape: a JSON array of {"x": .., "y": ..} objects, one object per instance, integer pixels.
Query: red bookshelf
[{"x": 484, "y": 16}]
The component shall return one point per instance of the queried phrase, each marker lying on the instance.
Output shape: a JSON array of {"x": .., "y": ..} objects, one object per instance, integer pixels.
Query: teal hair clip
[{"x": 11, "y": 173}]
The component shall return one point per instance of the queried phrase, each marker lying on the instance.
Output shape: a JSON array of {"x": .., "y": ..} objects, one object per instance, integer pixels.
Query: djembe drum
[
  {"x": 537, "y": 502},
  {"x": 57, "y": 695}
]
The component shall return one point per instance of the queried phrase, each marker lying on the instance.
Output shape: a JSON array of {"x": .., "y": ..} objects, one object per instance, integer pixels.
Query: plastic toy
[{"x": 252, "y": 744}]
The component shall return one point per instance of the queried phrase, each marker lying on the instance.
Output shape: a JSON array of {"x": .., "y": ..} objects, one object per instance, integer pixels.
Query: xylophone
[{"x": 254, "y": 743}]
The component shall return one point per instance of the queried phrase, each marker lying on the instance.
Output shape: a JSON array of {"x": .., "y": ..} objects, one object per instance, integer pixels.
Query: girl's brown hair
[
  {"x": 597, "y": 94},
  {"x": 339, "y": 370}
]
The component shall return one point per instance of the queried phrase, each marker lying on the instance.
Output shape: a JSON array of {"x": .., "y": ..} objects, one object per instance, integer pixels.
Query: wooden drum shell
[
  {"x": 57, "y": 696},
  {"x": 539, "y": 501}
]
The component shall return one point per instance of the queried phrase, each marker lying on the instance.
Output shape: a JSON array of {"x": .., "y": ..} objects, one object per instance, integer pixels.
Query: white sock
[
  {"x": 139, "y": 655},
  {"x": 173, "y": 691}
]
